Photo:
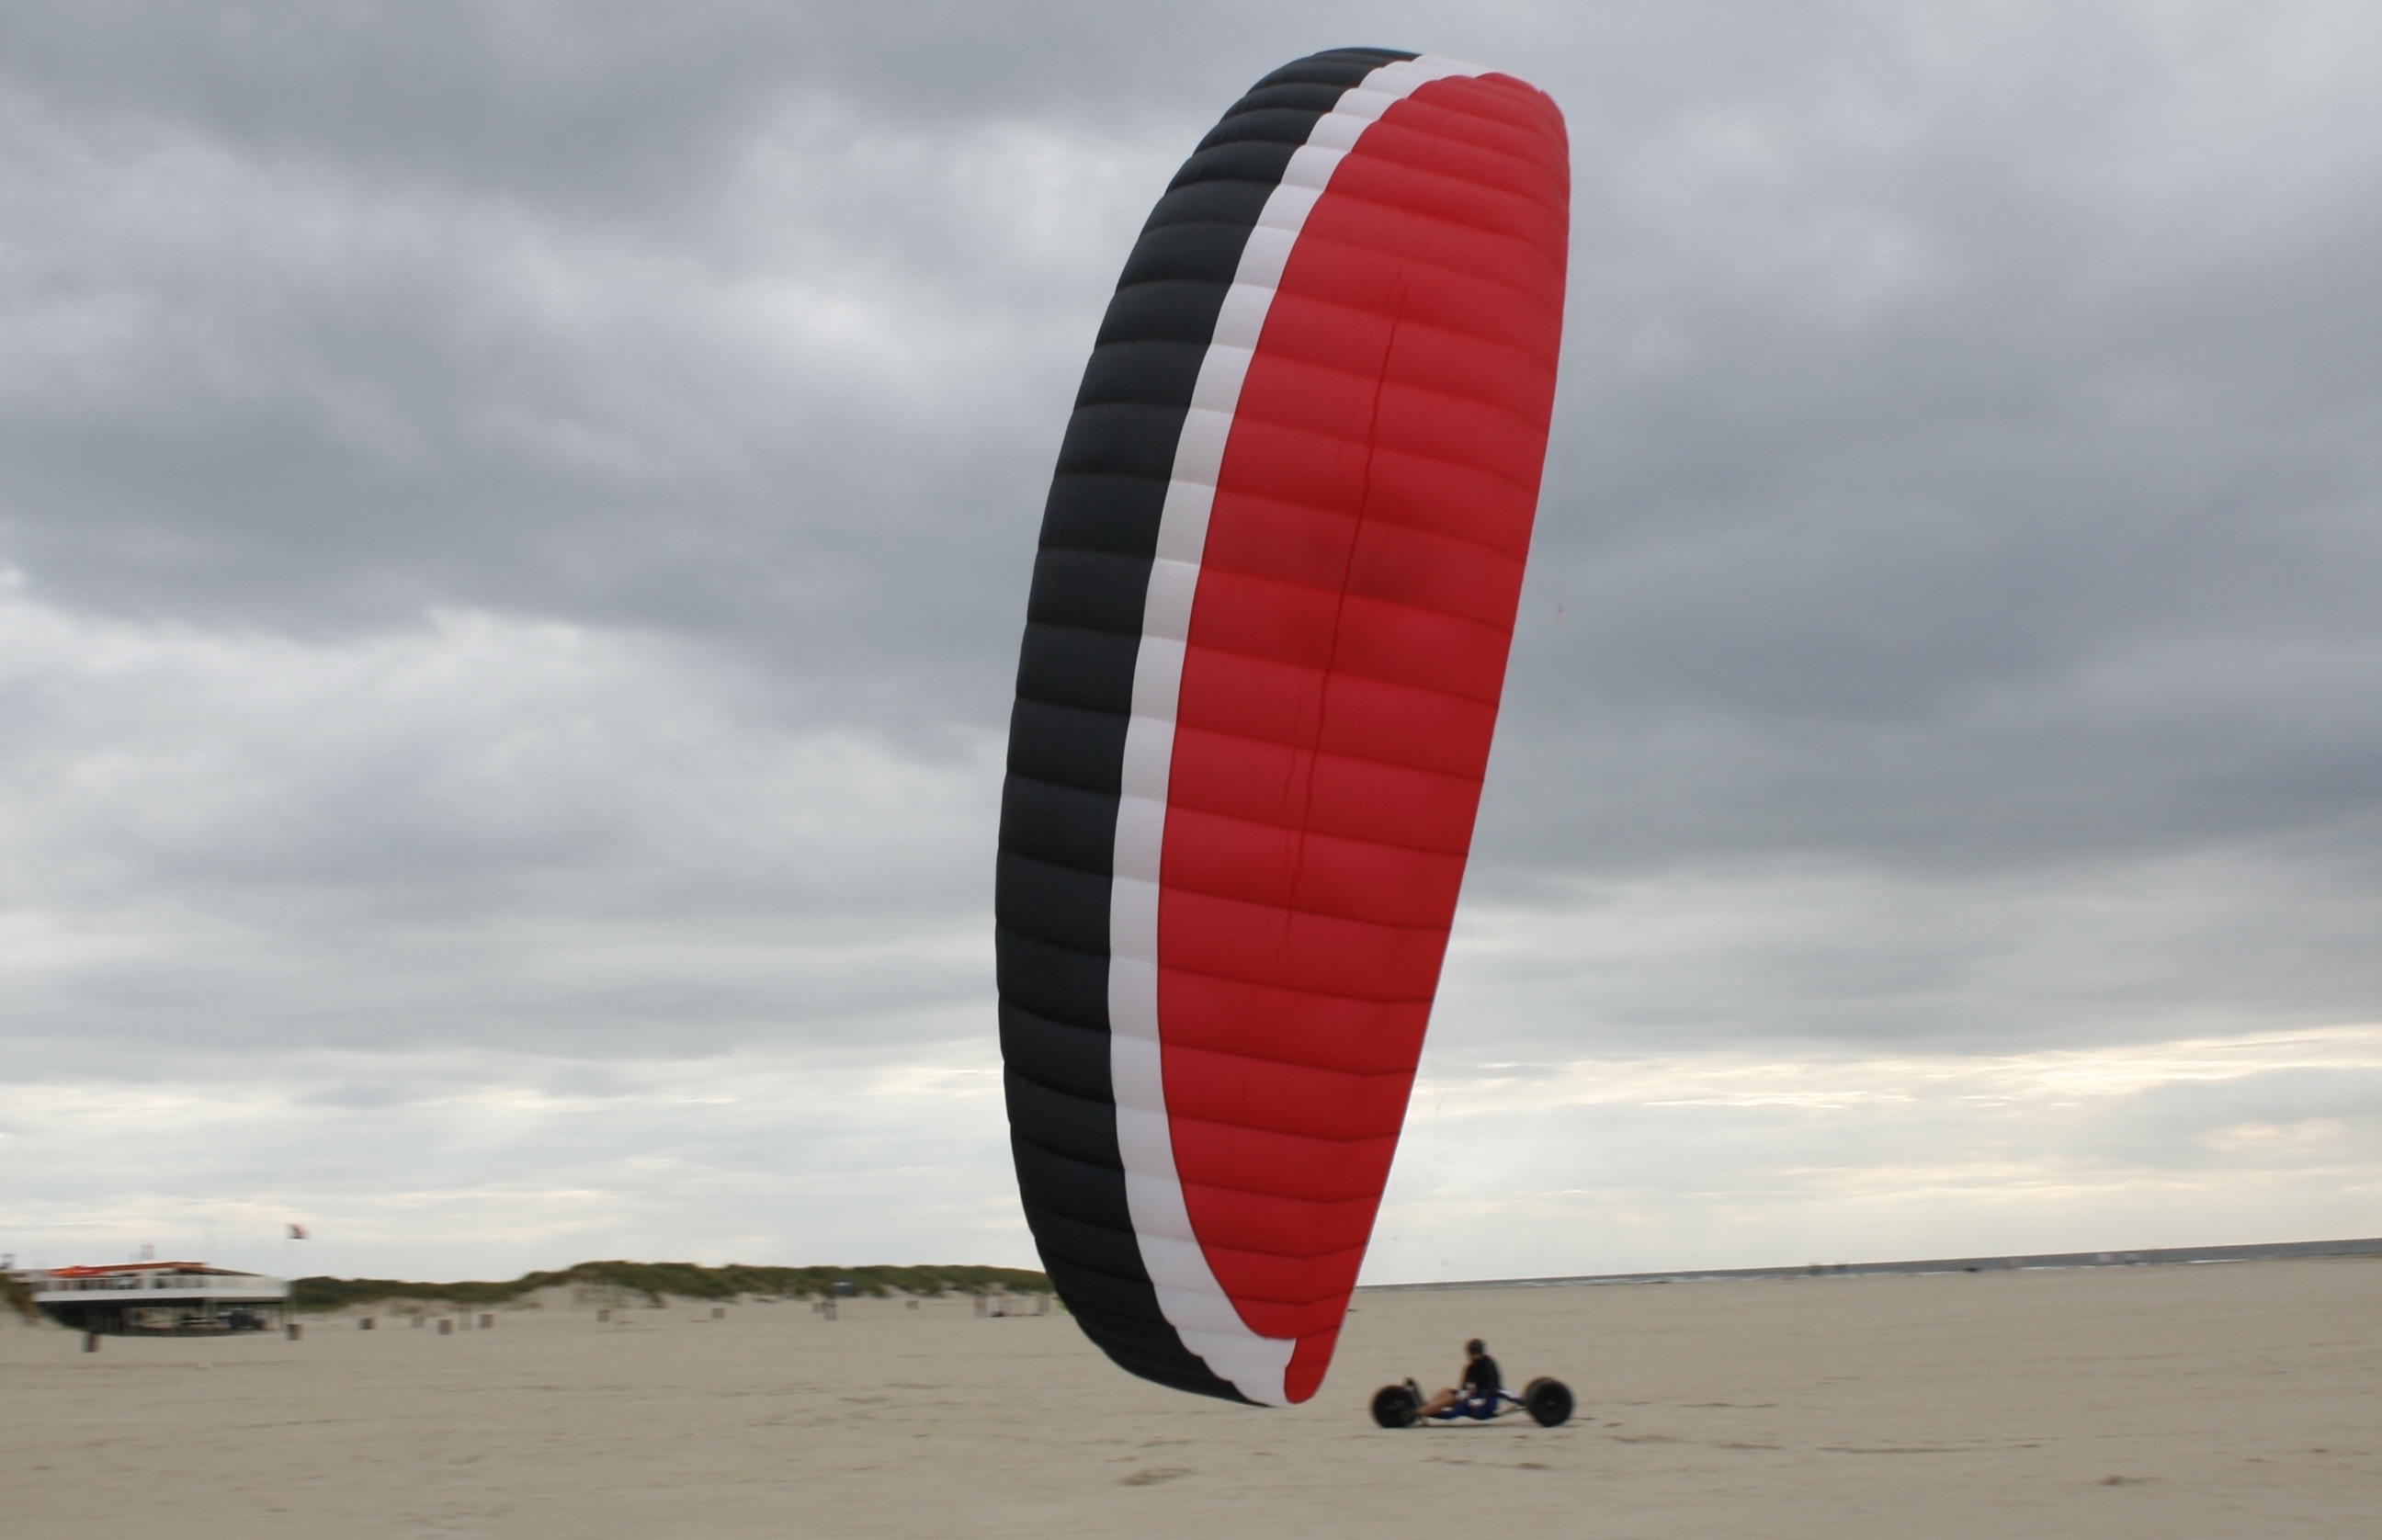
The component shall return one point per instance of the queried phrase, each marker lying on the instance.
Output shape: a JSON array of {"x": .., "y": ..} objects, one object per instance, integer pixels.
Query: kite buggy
[
  {"x": 1482, "y": 1397},
  {"x": 1547, "y": 1400}
]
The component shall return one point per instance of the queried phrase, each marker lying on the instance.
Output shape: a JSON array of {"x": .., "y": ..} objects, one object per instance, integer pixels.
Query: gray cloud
[
  {"x": 480, "y": 830},
  {"x": 520, "y": 519}
]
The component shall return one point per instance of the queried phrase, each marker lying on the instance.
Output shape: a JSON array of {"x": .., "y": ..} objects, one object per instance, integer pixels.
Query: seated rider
[{"x": 1477, "y": 1396}]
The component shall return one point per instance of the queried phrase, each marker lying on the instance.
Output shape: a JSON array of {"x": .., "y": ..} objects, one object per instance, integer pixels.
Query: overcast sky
[{"x": 514, "y": 525}]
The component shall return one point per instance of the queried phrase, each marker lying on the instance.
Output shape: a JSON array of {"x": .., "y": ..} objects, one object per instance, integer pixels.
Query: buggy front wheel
[{"x": 1548, "y": 1401}]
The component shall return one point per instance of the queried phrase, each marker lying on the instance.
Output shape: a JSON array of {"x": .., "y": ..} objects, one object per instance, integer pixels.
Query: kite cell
[{"x": 1263, "y": 652}]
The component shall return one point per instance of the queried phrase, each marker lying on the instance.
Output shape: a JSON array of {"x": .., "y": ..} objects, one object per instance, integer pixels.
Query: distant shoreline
[{"x": 2154, "y": 1256}]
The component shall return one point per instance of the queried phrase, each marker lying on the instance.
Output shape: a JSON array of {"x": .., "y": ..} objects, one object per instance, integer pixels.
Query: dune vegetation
[{"x": 654, "y": 1280}]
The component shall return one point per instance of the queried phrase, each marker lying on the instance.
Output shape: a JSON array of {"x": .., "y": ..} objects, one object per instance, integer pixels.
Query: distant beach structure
[{"x": 157, "y": 1298}]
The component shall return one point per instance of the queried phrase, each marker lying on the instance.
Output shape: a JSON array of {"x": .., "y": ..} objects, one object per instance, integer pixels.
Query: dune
[{"x": 2227, "y": 1400}]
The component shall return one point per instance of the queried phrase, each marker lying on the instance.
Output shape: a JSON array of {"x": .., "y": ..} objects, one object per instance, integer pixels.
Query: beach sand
[{"x": 2235, "y": 1400}]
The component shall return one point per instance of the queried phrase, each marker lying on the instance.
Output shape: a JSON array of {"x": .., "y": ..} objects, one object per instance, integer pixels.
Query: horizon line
[{"x": 2148, "y": 1256}]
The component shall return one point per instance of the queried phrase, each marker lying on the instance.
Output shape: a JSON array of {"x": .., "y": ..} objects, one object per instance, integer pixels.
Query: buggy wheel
[
  {"x": 1548, "y": 1401},
  {"x": 1395, "y": 1406}
]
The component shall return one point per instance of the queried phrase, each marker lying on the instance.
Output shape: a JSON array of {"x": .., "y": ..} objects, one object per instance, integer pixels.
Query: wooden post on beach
[
  {"x": 603, "y": 1316},
  {"x": 293, "y": 1331},
  {"x": 488, "y": 1323},
  {"x": 446, "y": 1326},
  {"x": 90, "y": 1341},
  {"x": 364, "y": 1324}
]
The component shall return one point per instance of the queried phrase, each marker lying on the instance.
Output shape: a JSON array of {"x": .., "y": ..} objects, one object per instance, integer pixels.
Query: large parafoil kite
[{"x": 1263, "y": 652}]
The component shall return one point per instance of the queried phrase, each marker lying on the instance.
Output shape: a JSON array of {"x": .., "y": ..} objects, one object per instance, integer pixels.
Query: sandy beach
[{"x": 2228, "y": 1401}]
